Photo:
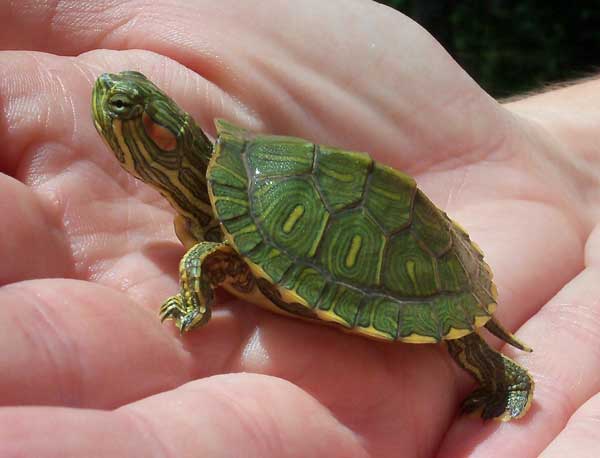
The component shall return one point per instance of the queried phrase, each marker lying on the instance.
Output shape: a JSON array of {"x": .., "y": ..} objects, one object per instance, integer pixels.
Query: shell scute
[
  {"x": 290, "y": 213},
  {"x": 352, "y": 248},
  {"x": 272, "y": 260},
  {"x": 451, "y": 273},
  {"x": 275, "y": 156},
  {"x": 408, "y": 269},
  {"x": 390, "y": 197},
  {"x": 341, "y": 176},
  {"x": 347, "y": 304},
  {"x": 385, "y": 317},
  {"x": 227, "y": 169},
  {"x": 306, "y": 281},
  {"x": 430, "y": 226},
  {"x": 231, "y": 202}
]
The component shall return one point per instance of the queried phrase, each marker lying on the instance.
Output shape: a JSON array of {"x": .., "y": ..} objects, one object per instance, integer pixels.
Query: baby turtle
[{"x": 311, "y": 231}]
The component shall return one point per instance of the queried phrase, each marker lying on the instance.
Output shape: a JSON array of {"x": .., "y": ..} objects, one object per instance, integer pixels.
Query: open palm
[{"x": 88, "y": 253}]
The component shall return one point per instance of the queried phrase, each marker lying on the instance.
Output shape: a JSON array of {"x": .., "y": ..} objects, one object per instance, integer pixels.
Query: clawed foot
[
  {"x": 185, "y": 318},
  {"x": 505, "y": 388},
  {"x": 500, "y": 404}
]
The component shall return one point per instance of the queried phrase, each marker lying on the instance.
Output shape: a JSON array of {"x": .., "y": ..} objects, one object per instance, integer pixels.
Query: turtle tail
[{"x": 498, "y": 330}]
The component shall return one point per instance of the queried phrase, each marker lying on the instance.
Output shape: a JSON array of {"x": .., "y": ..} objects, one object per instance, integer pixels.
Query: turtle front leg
[
  {"x": 203, "y": 267},
  {"x": 506, "y": 389}
]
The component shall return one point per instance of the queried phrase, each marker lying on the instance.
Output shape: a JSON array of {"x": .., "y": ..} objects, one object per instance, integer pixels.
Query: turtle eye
[{"x": 120, "y": 104}]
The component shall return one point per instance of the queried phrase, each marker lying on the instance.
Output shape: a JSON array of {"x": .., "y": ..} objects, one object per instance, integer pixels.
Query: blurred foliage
[{"x": 512, "y": 46}]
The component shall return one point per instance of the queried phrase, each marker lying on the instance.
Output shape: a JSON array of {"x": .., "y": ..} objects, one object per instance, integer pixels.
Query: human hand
[{"x": 89, "y": 253}]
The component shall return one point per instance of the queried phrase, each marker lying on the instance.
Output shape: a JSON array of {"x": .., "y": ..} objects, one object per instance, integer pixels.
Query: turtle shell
[{"x": 342, "y": 238}]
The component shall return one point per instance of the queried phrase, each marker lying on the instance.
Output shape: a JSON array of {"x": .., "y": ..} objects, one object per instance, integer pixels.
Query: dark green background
[{"x": 510, "y": 47}]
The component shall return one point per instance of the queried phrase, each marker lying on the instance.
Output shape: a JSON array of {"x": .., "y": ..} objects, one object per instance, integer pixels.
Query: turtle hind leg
[
  {"x": 505, "y": 390},
  {"x": 203, "y": 267}
]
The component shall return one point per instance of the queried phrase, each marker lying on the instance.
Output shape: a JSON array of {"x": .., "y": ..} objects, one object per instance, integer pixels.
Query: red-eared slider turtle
[{"x": 311, "y": 231}]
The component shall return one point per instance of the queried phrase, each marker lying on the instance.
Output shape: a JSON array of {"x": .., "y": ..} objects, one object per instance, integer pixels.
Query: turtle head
[
  {"x": 154, "y": 140},
  {"x": 143, "y": 127}
]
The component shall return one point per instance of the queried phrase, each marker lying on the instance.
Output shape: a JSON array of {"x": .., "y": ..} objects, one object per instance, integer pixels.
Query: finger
[
  {"x": 233, "y": 415},
  {"x": 580, "y": 436},
  {"x": 74, "y": 343},
  {"x": 371, "y": 90},
  {"x": 42, "y": 115},
  {"x": 110, "y": 223},
  {"x": 32, "y": 243},
  {"x": 83, "y": 345},
  {"x": 565, "y": 366}
]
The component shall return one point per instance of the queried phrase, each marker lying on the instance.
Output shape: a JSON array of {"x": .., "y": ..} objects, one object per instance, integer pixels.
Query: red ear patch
[{"x": 162, "y": 137}]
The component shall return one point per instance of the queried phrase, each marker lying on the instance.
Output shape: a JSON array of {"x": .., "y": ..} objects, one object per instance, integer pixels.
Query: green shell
[{"x": 354, "y": 240}]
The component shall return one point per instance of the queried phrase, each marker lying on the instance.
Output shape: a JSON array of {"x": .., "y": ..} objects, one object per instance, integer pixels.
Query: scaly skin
[
  {"x": 191, "y": 307},
  {"x": 158, "y": 143},
  {"x": 505, "y": 388}
]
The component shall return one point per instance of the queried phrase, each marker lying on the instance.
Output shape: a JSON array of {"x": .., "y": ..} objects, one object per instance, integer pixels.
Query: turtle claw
[
  {"x": 496, "y": 404},
  {"x": 171, "y": 309},
  {"x": 491, "y": 404},
  {"x": 185, "y": 318},
  {"x": 193, "y": 319}
]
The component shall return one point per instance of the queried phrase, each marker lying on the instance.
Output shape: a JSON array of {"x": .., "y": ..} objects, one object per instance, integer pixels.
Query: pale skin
[{"x": 88, "y": 253}]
